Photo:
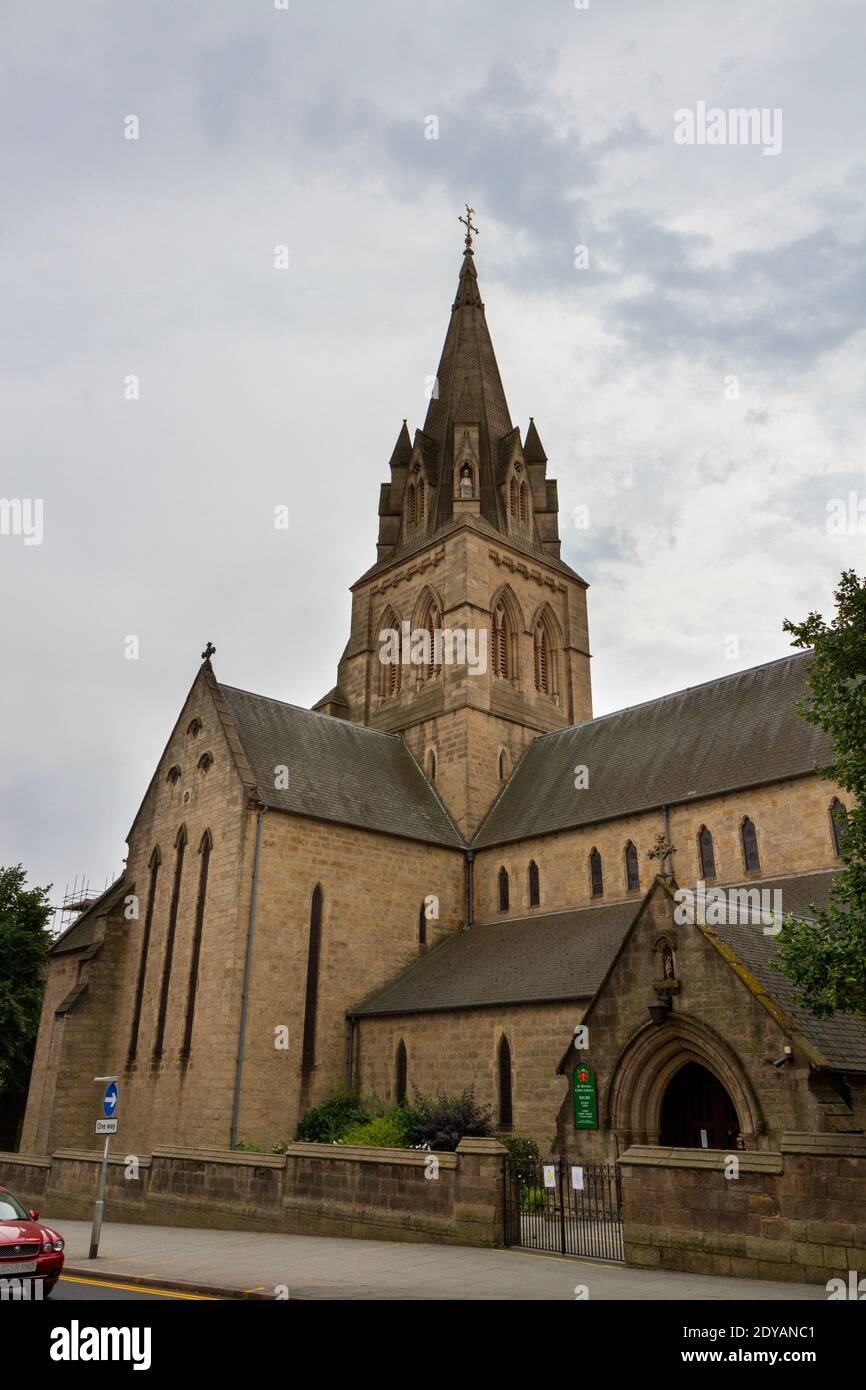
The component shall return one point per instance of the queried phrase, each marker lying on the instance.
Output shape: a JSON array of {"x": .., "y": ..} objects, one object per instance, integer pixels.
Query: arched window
[
  {"x": 173, "y": 774},
  {"x": 501, "y": 652},
  {"x": 632, "y": 871},
  {"x": 429, "y": 620},
  {"x": 179, "y": 849},
  {"x": 422, "y": 924},
  {"x": 204, "y": 850},
  {"x": 400, "y": 1070},
  {"x": 524, "y": 504},
  {"x": 145, "y": 946},
  {"x": 389, "y": 637},
  {"x": 749, "y": 838},
  {"x": 205, "y": 762},
  {"x": 503, "y": 890},
  {"x": 596, "y": 874},
  {"x": 503, "y": 765},
  {"x": 512, "y": 497},
  {"x": 505, "y": 1101},
  {"x": 705, "y": 853},
  {"x": 194, "y": 727},
  {"x": 311, "y": 999},
  {"x": 431, "y": 764},
  {"x": 838, "y": 823},
  {"x": 542, "y": 660},
  {"x": 534, "y": 885}
]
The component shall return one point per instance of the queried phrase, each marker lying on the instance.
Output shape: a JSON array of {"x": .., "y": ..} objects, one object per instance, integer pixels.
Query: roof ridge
[
  {"x": 556, "y": 912},
  {"x": 672, "y": 694},
  {"x": 316, "y": 713}
]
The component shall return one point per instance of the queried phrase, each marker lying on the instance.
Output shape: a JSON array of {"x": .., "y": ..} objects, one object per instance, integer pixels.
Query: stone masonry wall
[
  {"x": 372, "y": 887},
  {"x": 798, "y": 1214},
  {"x": 792, "y": 821},
  {"x": 320, "y": 1189},
  {"x": 453, "y": 1049}
]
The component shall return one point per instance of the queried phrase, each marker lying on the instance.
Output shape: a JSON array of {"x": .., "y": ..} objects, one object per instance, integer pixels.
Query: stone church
[{"x": 433, "y": 877}]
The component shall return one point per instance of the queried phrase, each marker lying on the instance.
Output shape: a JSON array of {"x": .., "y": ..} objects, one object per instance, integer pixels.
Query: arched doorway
[{"x": 697, "y": 1112}]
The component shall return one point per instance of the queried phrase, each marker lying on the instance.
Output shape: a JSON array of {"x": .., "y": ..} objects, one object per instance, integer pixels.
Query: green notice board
[{"x": 585, "y": 1099}]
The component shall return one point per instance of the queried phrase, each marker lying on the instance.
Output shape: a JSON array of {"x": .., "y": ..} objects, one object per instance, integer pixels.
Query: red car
[{"x": 28, "y": 1250}]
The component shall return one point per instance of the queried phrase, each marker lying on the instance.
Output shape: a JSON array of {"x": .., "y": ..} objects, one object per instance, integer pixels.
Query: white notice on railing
[
  {"x": 576, "y": 1177},
  {"x": 549, "y": 1175}
]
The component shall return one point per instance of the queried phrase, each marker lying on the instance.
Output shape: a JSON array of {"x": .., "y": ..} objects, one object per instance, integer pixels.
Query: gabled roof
[
  {"x": 336, "y": 771},
  {"x": 738, "y": 731},
  {"x": 548, "y": 957},
  {"x": 838, "y": 1042}
]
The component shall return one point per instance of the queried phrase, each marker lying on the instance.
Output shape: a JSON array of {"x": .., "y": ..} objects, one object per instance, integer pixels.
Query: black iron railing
[{"x": 565, "y": 1207}]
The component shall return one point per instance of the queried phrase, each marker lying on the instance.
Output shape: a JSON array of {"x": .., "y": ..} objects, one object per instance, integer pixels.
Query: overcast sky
[{"x": 258, "y": 127}]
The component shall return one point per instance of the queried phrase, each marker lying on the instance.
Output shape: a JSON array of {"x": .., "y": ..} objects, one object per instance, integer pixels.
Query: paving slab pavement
[{"x": 329, "y": 1267}]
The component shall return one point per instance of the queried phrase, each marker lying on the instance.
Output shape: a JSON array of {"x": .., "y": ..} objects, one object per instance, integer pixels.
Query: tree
[
  {"x": 826, "y": 958},
  {"x": 24, "y": 946}
]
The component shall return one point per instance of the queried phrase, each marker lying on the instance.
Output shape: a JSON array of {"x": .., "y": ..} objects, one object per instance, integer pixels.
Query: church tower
[{"x": 469, "y": 633}]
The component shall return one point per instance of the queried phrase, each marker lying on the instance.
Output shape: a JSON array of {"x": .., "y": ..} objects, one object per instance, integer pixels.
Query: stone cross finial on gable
[{"x": 208, "y": 652}]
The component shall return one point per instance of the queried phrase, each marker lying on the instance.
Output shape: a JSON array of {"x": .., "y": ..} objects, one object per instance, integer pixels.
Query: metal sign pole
[
  {"x": 107, "y": 1127},
  {"x": 100, "y": 1203}
]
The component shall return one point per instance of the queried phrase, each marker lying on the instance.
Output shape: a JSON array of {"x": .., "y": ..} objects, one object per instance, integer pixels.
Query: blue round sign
[{"x": 110, "y": 1099}]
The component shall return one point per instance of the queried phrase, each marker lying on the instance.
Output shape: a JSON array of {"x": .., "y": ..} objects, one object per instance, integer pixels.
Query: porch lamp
[{"x": 659, "y": 1011}]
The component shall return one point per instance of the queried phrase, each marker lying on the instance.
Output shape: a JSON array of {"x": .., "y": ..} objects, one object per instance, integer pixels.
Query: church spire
[
  {"x": 468, "y": 458},
  {"x": 468, "y": 391}
]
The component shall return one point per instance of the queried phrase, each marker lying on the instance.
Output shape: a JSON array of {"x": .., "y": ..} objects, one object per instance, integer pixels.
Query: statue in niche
[{"x": 466, "y": 488}]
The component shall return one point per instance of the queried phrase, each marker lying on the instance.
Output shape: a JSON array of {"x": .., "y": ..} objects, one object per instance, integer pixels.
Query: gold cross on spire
[{"x": 467, "y": 222}]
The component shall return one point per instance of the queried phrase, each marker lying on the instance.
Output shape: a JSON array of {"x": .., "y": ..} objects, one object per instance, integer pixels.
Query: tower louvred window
[
  {"x": 412, "y": 505},
  {"x": 524, "y": 504},
  {"x": 420, "y": 500},
  {"x": 432, "y": 626},
  {"x": 512, "y": 494},
  {"x": 500, "y": 643},
  {"x": 542, "y": 660}
]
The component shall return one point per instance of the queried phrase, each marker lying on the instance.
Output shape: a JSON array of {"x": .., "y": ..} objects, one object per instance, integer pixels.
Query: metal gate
[{"x": 565, "y": 1207}]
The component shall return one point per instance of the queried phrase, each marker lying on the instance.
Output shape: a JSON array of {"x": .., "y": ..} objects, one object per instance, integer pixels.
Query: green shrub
[
  {"x": 330, "y": 1120},
  {"x": 525, "y": 1153},
  {"x": 531, "y": 1198},
  {"x": 383, "y": 1132},
  {"x": 441, "y": 1121}
]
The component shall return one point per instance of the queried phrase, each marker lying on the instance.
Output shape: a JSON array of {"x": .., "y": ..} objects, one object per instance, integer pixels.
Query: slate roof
[
  {"x": 737, "y": 731},
  {"x": 840, "y": 1040},
  {"x": 555, "y": 955},
  {"x": 337, "y": 771},
  {"x": 83, "y": 931}
]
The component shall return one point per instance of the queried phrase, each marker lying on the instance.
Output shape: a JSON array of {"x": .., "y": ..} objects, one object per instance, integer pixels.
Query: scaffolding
[{"x": 76, "y": 900}]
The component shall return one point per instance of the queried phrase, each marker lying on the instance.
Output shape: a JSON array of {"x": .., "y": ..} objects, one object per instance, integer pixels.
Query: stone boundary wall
[
  {"x": 315, "y": 1189},
  {"x": 798, "y": 1214}
]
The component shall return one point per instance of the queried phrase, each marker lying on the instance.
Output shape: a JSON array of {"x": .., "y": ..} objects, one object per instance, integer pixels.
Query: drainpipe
[
  {"x": 350, "y": 1052},
  {"x": 470, "y": 887},
  {"x": 245, "y": 992}
]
